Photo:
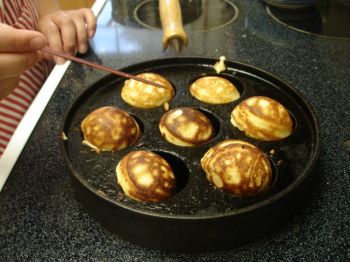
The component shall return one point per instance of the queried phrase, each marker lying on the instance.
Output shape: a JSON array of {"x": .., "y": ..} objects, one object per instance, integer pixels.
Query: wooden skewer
[{"x": 100, "y": 67}]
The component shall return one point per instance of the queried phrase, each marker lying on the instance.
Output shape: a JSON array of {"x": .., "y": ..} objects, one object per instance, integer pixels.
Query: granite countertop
[{"x": 40, "y": 218}]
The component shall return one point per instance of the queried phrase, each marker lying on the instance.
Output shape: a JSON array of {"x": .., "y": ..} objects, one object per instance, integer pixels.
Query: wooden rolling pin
[{"x": 171, "y": 18}]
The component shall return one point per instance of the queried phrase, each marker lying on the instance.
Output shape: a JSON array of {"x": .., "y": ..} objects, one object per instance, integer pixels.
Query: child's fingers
[
  {"x": 68, "y": 31},
  {"x": 85, "y": 22},
  {"x": 52, "y": 32},
  {"x": 47, "y": 56},
  {"x": 68, "y": 34},
  {"x": 82, "y": 35},
  {"x": 20, "y": 40},
  {"x": 17, "y": 53},
  {"x": 12, "y": 65},
  {"x": 90, "y": 20}
]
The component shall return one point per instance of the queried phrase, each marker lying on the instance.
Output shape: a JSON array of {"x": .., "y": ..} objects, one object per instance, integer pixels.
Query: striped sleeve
[{"x": 21, "y": 14}]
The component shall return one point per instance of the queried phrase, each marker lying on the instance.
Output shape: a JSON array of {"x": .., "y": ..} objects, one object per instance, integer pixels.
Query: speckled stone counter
[{"x": 41, "y": 220}]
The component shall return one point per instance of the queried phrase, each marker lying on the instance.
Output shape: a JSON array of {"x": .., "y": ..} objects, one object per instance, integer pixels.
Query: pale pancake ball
[
  {"x": 214, "y": 90},
  {"x": 237, "y": 167},
  {"x": 186, "y": 127},
  {"x": 142, "y": 95},
  {"x": 109, "y": 129},
  {"x": 262, "y": 118},
  {"x": 146, "y": 176}
]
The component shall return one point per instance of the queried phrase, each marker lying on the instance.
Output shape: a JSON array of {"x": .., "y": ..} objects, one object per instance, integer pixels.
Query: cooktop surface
[{"x": 325, "y": 17}]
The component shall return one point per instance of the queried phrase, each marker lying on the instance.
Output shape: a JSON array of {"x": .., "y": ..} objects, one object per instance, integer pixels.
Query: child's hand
[
  {"x": 18, "y": 52},
  {"x": 68, "y": 31}
]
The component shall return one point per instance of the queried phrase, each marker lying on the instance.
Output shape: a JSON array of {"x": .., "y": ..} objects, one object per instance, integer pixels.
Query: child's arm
[
  {"x": 18, "y": 52},
  {"x": 66, "y": 31}
]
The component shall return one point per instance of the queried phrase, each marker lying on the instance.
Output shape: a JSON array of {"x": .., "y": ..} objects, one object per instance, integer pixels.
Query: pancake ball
[
  {"x": 146, "y": 176},
  {"x": 142, "y": 95},
  {"x": 214, "y": 90},
  {"x": 262, "y": 118},
  {"x": 109, "y": 129},
  {"x": 186, "y": 127},
  {"x": 237, "y": 167}
]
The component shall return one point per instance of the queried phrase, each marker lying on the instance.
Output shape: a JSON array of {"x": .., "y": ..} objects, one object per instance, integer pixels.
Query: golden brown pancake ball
[
  {"x": 146, "y": 176},
  {"x": 109, "y": 129},
  {"x": 186, "y": 127},
  {"x": 214, "y": 90},
  {"x": 237, "y": 167},
  {"x": 142, "y": 95},
  {"x": 262, "y": 118}
]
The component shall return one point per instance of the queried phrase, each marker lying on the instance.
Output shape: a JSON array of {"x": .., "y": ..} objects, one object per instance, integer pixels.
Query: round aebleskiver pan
[{"x": 198, "y": 217}]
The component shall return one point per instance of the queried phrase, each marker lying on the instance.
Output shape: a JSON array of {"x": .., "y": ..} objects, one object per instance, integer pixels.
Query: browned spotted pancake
[
  {"x": 214, "y": 90},
  {"x": 146, "y": 176},
  {"x": 142, "y": 95},
  {"x": 262, "y": 118},
  {"x": 186, "y": 127},
  {"x": 237, "y": 167},
  {"x": 109, "y": 129}
]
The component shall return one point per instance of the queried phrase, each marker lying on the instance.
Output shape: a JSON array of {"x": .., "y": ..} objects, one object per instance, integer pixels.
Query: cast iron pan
[{"x": 199, "y": 217}]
